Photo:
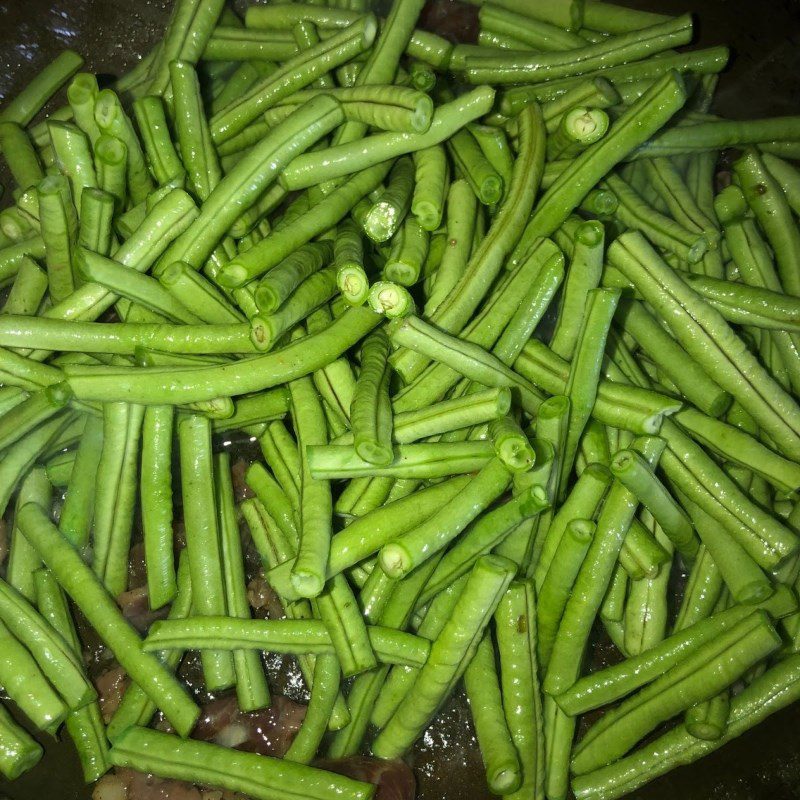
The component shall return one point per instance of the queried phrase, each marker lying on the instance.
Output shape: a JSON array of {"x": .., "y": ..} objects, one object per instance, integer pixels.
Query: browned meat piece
[
  {"x": 268, "y": 732},
  {"x": 394, "y": 779},
  {"x": 137, "y": 569},
  {"x": 111, "y": 686},
  {"x": 126, "y": 784},
  {"x": 241, "y": 491},
  {"x": 263, "y": 599},
  {"x": 135, "y": 607}
]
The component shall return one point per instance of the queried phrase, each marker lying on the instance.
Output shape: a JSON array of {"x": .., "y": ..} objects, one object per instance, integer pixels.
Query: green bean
[
  {"x": 450, "y": 654},
  {"x": 209, "y": 382},
  {"x": 430, "y": 179},
  {"x": 59, "y": 230},
  {"x": 486, "y": 183},
  {"x": 764, "y": 538},
  {"x": 343, "y": 159},
  {"x": 511, "y": 444},
  {"x": 367, "y": 534},
  {"x": 632, "y": 471},
  {"x": 254, "y": 410},
  {"x": 642, "y": 552},
  {"x": 595, "y": 573},
  {"x": 371, "y": 407},
  {"x": 30, "y": 101},
  {"x": 535, "y": 33},
  {"x": 482, "y": 685},
  {"x": 582, "y": 501},
  {"x": 115, "y": 494},
  {"x": 748, "y": 305},
  {"x": 346, "y": 627},
  {"x": 646, "y": 607},
  {"x": 558, "y": 581},
  {"x": 164, "y": 161},
  {"x": 19, "y": 458},
  {"x": 742, "y": 372},
  {"x": 82, "y": 94},
  {"x": 745, "y": 580},
  {"x": 703, "y": 590},
  {"x": 585, "y": 58},
  {"x": 720, "y": 662},
  {"x": 125, "y": 282},
  {"x": 461, "y": 208},
  {"x": 384, "y": 217},
  {"x": 327, "y": 675},
  {"x": 20, "y": 155},
  {"x": 635, "y": 126},
  {"x": 52, "y": 655},
  {"x": 579, "y": 127},
  {"x": 348, "y": 258},
  {"x": 23, "y": 560},
  {"x": 260, "y": 776},
  {"x": 686, "y": 373},
  {"x": 295, "y": 74},
  {"x": 19, "y": 752},
  {"x": 113, "y": 121},
  {"x": 27, "y": 686},
  {"x": 190, "y": 26},
  {"x": 308, "y": 572},
  {"x": 136, "y": 708},
  {"x": 95, "y": 231},
  {"x": 482, "y": 536},
  {"x": 11, "y": 256},
  {"x": 612, "y": 683},
  {"x": 769, "y": 204},
  {"x": 28, "y": 289},
  {"x": 194, "y": 138},
  {"x": 515, "y": 625},
  {"x": 716, "y": 134},
  {"x": 202, "y": 537},
  {"x": 73, "y": 157},
  {"x": 613, "y": 18},
  {"x": 123, "y": 338},
  {"x": 591, "y": 92},
  {"x": 198, "y": 294},
  {"x": 156, "y": 499},
  {"x": 786, "y": 175},
  {"x": 111, "y": 166},
  {"x": 391, "y": 300},
  {"x": 582, "y": 277},
  {"x": 281, "y": 281},
  {"x": 770, "y": 692},
  {"x": 465, "y": 357},
  {"x": 585, "y": 369},
  {"x": 84, "y": 725},
  {"x": 633, "y": 211},
  {"x": 412, "y": 548},
  {"x": 408, "y": 253},
  {"x": 252, "y": 691},
  {"x": 292, "y": 636},
  {"x": 247, "y": 182},
  {"x": 739, "y": 447},
  {"x": 32, "y": 412}
]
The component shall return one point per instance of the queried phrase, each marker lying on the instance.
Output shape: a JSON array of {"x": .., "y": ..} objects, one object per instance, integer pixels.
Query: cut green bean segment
[
  {"x": 411, "y": 549},
  {"x": 732, "y": 653},
  {"x": 450, "y": 653},
  {"x": 259, "y": 776},
  {"x": 202, "y": 537},
  {"x": 19, "y": 751}
]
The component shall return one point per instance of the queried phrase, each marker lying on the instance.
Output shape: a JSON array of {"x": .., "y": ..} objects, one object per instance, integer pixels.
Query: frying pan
[{"x": 764, "y": 80}]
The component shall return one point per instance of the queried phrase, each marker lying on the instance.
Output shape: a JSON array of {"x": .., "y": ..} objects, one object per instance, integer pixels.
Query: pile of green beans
[{"x": 337, "y": 236}]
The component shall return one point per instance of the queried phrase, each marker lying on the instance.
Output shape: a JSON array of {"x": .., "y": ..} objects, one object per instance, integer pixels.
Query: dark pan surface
[{"x": 765, "y": 80}]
